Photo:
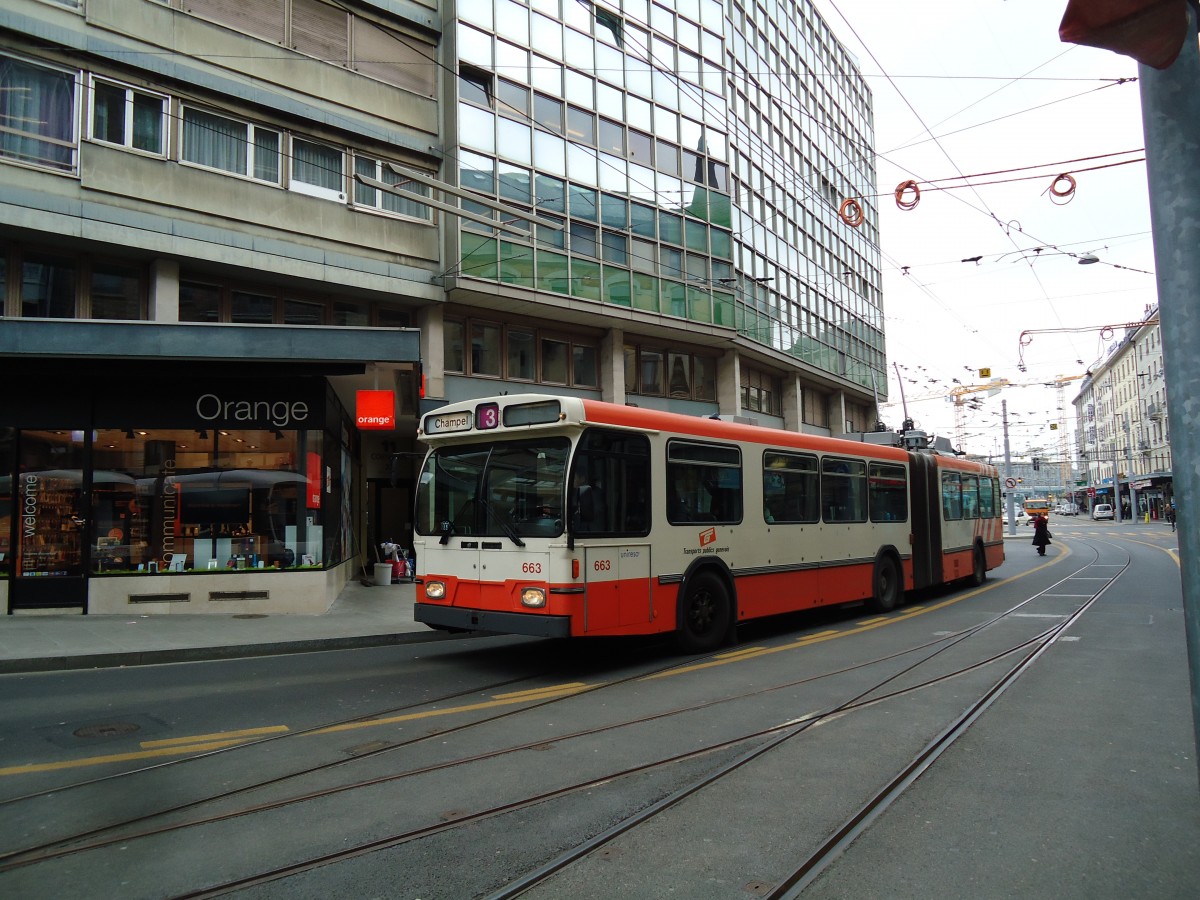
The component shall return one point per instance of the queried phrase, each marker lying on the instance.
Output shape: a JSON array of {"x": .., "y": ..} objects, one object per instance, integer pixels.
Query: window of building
[
  {"x": 522, "y": 354},
  {"x": 48, "y": 288},
  {"x": 234, "y": 500},
  {"x": 761, "y": 392},
  {"x": 37, "y": 114},
  {"x": 453, "y": 345},
  {"x": 117, "y": 292},
  {"x": 303, "y": 312},
  {"x": 317, "y": 170},
  {"x": 251, "y": 309},
  {"x": 240, "y": 148},
  {"x": 127, "y": 117},
  {"x": 585, "y": 369},
  {"x": 347, "y": 314},
  {"x": 373, "y": 198},
  {"x": 199, "y": 302},
  {"x": 556, "y": 359},
  {"x": 485, "y": 349}
]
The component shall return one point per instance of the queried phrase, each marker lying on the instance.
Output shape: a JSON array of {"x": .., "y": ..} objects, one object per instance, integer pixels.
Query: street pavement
[
  {"x": 362, "y": 616},
  {"x": 1093, "y": 748}
]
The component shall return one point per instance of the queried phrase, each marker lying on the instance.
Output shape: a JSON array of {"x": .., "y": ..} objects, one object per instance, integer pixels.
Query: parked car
[
  {"x": 1066, "y": 509},
  {"x": 1022, "y": 516},
  {"x": 1102, "y": 511}
]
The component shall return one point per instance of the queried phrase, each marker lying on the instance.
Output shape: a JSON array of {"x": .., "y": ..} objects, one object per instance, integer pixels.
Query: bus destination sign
[{"x": 448, "y": 423}]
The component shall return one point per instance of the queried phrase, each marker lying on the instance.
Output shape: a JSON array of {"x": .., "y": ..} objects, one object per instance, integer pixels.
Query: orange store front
[{"x": 171, "y": 485}]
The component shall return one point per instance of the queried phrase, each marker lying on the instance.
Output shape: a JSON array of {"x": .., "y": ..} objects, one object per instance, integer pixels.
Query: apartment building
[
  {"x": 1123, "y": 440},
  {"x": 223, "y": 220}
]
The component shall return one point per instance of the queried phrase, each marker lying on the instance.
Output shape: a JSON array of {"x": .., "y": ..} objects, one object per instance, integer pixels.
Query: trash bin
[{"x": 383, "y": 573}]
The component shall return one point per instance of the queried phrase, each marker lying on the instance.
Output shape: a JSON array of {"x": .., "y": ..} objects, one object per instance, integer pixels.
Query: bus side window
[{"x": 610, "y": 480}]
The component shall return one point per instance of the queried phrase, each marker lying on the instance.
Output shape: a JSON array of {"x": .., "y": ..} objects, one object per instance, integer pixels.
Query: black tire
[
  {"x": 704, "y": 614},
  {"x": 887, "y": 584},
  {"x": 978, "y": 568}
]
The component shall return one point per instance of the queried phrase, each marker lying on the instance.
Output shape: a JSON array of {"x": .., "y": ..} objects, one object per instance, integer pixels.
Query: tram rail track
[{"x": 770, "y": 737}]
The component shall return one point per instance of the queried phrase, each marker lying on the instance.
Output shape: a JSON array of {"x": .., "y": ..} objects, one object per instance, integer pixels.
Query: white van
[{"x": 1102, "y": 511}]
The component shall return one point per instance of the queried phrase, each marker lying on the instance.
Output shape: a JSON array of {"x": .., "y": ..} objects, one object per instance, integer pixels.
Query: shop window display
[{"x": 171, "y": 500}]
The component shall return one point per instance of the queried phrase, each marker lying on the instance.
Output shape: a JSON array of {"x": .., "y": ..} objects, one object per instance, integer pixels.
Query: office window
[
  {"x": 217, "y": 142},
  {"x": 48, "y": 288},
  {"x": 116, "y": 292},
  {"x": 555, "y": 360},
  {"x": 37, "y": 114},
  {"x": 522, "y": 354},
  {"x": 317, "y": 170},
  {"x": 251, "y": 309},
  {"x": 128, "y": 117},
  {"x": 453, "y": 344},
  {"x": 199, "y": 302},
  {"x": 485, "y": 349},
  {"x": 367, "y": 196}
]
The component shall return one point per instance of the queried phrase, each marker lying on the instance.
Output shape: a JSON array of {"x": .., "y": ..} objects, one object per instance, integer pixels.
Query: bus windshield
[{"x": 495, "y": 489}]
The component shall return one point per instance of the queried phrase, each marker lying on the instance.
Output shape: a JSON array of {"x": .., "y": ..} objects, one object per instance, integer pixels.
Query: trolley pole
[{"x": 1171, "y": 123}]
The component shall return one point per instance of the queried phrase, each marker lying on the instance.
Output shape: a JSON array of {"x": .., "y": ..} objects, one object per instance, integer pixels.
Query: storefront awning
[{"x": 342, "y": 349}]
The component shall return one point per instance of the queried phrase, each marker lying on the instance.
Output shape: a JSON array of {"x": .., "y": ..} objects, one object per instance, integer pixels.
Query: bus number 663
[
  {"x": 603, "y": 565},
  {"x": 531, "y": 568}
]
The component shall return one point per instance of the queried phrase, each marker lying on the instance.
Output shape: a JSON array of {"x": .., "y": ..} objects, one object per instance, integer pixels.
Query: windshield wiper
[{"x": 490, "y": 511}]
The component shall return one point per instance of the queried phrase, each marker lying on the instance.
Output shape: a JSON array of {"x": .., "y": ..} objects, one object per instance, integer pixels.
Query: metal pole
[
  {"x": 1009, "y": 493},
  {"x": 1171, "y": 123}
]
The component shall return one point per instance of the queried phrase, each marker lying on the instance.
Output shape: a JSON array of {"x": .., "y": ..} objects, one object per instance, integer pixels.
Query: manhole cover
[
  {"x": 250, "y": 615},
  {"x": 108, "y": 729}
]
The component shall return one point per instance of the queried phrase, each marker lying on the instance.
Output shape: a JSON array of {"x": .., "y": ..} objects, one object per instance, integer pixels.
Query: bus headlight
[
  {"x": 533, "y": 597},
  {"x": 435, "y": 590}
]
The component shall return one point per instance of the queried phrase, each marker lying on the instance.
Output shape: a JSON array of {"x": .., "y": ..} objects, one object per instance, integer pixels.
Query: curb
[{"x": 202, "y": 654}]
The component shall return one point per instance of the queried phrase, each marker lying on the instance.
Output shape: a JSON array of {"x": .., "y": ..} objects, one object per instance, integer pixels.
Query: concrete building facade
[{"x": 222, "y": 220}]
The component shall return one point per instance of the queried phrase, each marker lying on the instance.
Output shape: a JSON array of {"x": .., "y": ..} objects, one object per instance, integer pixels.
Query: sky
[{"x": 986, "y": 89}]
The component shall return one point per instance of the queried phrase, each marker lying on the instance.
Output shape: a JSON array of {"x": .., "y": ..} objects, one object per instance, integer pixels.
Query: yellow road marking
[
  {"x": 565, "y": 690},
  {"x": 202, "y": 744},
  {"x": 115, "y": 757},
  {"x": 220, "y": 735}
]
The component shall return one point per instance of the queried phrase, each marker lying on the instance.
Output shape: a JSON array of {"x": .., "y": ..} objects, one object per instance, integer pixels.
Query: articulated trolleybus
[{"x": 560, "y": 516}]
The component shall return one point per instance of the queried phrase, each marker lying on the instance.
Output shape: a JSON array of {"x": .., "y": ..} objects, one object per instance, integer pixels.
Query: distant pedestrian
[
  {"x": 1041, "y": 533},
  {"x": 1171, "y": 514}
]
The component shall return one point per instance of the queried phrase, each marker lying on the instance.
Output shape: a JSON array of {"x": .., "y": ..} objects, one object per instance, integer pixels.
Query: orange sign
[{"x": 375, "y": 410}]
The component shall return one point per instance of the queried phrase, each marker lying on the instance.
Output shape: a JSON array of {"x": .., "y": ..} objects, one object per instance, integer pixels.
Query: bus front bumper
[{"x": 489, "y": 620}]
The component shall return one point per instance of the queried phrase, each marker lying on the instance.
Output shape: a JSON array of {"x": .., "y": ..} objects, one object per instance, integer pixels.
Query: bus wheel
[
  {"x": 887, "y": 585},
  {"x": 978, "y": 568},
  {"x": 704, "y": 614}
]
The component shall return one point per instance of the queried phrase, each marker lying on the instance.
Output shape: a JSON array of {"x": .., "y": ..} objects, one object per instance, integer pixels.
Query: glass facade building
[
  {"x": 627, "y": 200},
  {"x": 687, "y": 160}
]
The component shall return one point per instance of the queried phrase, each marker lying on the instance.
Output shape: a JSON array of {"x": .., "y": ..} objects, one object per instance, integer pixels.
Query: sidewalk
[{"x": 361, "y": 616}]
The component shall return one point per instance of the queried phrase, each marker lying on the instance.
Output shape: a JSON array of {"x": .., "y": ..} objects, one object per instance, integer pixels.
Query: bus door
[{"x": 616, "y": 586}]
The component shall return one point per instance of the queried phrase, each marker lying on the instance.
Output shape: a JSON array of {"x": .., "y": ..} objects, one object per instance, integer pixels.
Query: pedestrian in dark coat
[{"x": 1041, "y": 533}]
